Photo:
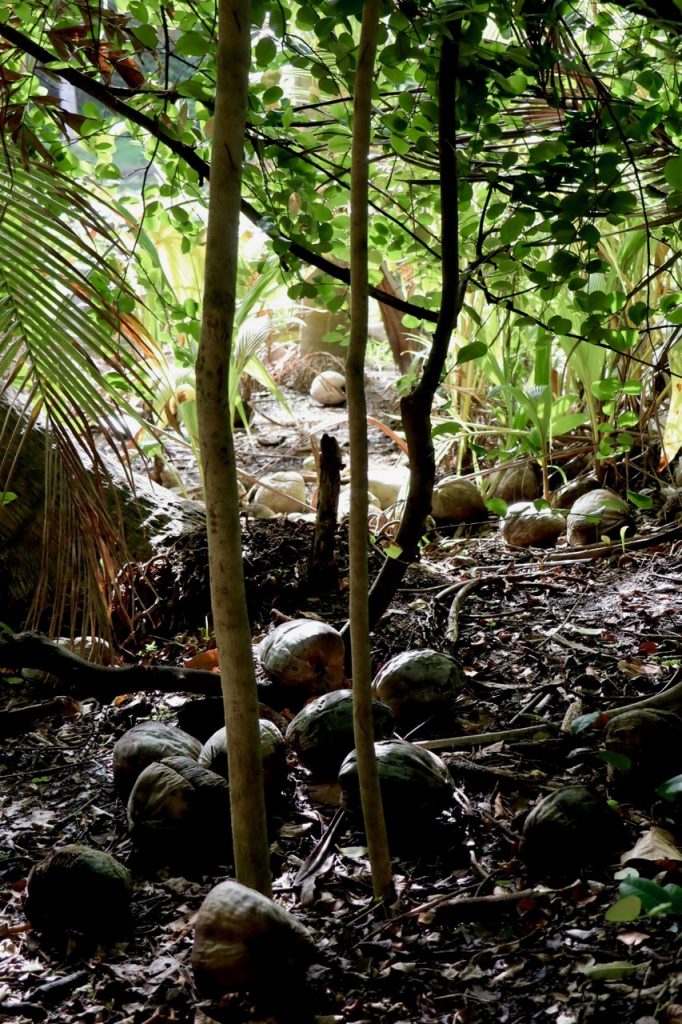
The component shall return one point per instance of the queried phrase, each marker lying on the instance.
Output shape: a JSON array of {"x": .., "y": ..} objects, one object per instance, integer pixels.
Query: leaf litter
[{"x": 474, "y": 938}]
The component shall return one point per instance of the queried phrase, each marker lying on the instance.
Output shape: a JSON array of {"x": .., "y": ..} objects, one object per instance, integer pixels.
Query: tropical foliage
[{"x": 568, "y": 175}]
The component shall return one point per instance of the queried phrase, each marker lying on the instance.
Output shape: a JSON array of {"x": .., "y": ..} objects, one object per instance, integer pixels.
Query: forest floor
[{"x": 475, "y": 937}]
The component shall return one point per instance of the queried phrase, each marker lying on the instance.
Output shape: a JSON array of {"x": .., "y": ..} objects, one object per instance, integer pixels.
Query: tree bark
[
  {"x": 228, "y": 595},
  {"x": 415, "y": 408},
  {"x": 363, "y": 725},
  {"x": 323, "y": 558}
]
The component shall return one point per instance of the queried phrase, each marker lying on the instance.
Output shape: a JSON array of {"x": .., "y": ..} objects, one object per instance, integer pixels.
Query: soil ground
[{"x": 476, "y": 938}]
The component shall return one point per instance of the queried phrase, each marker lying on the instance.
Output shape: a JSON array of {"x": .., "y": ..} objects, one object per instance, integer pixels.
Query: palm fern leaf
[{"x": 71, "y": 359}]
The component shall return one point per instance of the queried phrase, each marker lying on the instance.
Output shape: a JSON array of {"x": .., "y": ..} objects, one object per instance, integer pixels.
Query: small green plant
[{"x": 641, "y": 896}]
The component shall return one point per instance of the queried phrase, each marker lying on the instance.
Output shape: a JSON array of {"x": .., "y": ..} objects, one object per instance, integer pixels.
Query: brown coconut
[
  {"x": 569, "y": 829},
  {"x": 179, "y": 811},
  {"x": 245, "y": 941},
  {"x": 651, "y": 740},
  {"x": 516, "y": 483},
  {"x": 77, "y": 889},
  {"x": 273, "y": 754},
  {"x": 569, "y": 492},
  {"x": 457, "y": 501},
  {"x": 322, "y": 731},
  {"x": 145, "y": 743},
  {"x": 303, "y": 656},
  {"x": 597, "y": 514},
  {"x": 417, "y": 684},
  {"x": 415, "y": 786},
  {"x": 525, "y": 526}
]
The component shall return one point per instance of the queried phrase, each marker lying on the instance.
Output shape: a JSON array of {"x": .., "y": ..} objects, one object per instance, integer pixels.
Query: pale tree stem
[
  {"x": 228, "y": 595},
  {"x": 370, "y": 793}
]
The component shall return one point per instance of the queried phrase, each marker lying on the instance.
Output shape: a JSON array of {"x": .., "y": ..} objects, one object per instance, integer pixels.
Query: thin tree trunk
[
  {"x": 228, "y": 595},
  {"x": 415, "y": 408},
  {"x": 370, "y": 792}
]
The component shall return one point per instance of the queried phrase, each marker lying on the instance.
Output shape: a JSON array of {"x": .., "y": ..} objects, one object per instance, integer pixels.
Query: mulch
[{"x": 475, "y": 938}]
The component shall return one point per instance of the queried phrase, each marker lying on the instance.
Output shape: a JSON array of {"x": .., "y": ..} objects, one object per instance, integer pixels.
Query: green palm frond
[{"x": 71, "y": 358}]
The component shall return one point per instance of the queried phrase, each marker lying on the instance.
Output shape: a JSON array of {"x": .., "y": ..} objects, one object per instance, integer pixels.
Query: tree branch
[{"x": 190, "y": 156}]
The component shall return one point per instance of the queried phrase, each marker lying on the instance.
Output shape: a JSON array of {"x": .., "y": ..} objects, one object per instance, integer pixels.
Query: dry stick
[
  {"x": 452, "y": 630},
  {"x": 471, "y": 906}
]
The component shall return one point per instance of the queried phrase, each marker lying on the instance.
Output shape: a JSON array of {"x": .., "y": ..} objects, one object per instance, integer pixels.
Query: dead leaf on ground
[{"x": 654, "y": 845}]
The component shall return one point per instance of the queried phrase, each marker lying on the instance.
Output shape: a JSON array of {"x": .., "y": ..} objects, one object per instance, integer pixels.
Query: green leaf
[
  {"x": 621, "y": 762},
  {"x": 628, "y": 908},
  {"x": 473, "y": 351},
  {"x": 644, "y": 501},
  {"x": 560, "y": 325},
  {"x": 669, "y": 789},
  {"x": 147, "y": 35},
  {"x": 608, "y": 972},
  {"x": 564, "y": 424},
  {"x": 606, "y": 389},
  {"x": 673, "y": 172},
  {"x": 6, "y": 497},
  {"x": 265, "y": 51},
  {"x": 498, "y": 506},
  {"x": 193, "y": 44},
  {"x": 563, "y": 231}
]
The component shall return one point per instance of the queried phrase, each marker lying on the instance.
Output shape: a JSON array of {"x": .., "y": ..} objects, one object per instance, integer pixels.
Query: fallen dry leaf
[
  {"x": 207, "y": 660},
  {"x": 655, "y": 844}
]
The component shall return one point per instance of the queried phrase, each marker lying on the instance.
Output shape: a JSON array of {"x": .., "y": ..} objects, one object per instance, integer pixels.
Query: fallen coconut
[
  {"x": 273, "y": 755},
  {"x": 180, "y": 812},
  {"x": 256, "y": 510},
  {"x": 417, "y": 684},
  {"x": 597, "y": 514},
  {"x": 525, "y": 526},
  {"x": 649, "y": 742},
  {"x": 343, "y": 507},
  {"x": 322, "y": 731},
  {"x": 386, "y": 483},
  {"x": 281, "y": 492},
  {"x": 329, "y": 388},
  {"x": 78, "y": 892},
  {"x": 569, "y": 829},
  {"x": 245, "y": 941},
  {"x": 415, "y": 786},
  {"x": 457, "y": 501},
  {"x": 304, "y": 656},
  {"x": 516, "y": 483},
  {"x": 569, "y": 492},
  {"x": 145, "y": 743}
]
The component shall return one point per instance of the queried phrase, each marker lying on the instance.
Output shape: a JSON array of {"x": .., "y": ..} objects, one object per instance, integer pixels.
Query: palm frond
[{"x": 70, "y": 356}]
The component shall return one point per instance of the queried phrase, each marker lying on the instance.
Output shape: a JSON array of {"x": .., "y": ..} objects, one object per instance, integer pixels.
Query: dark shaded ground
[{"x": 535, "y": 637}]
